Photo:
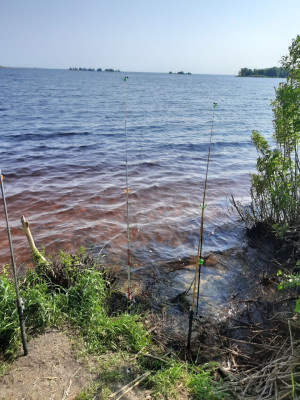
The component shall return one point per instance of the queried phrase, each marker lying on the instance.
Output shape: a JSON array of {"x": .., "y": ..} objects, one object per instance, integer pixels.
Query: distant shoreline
[
  {"x": 120, "y": 71},
  {"x": 259, "y": 76},
  {"x": 273, "y": 72}
]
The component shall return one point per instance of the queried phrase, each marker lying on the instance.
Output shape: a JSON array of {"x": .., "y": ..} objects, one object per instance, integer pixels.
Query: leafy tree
[
  {"x": 276, "y": 185},
  {"x": 269, "y": 72},
  {"x": 245, "y": 72},
  {"x": 275, "y": 188}
]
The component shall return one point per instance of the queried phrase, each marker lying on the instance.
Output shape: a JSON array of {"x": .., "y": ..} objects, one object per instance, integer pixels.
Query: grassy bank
[{"x": 74, "y": 294}]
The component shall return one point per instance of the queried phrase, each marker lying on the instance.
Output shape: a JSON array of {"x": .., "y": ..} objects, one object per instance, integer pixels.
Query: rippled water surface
[{"x": 63, "y": 159}]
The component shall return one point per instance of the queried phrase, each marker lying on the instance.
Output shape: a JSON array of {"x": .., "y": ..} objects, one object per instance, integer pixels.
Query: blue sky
[{"x": 217, "y": 37}]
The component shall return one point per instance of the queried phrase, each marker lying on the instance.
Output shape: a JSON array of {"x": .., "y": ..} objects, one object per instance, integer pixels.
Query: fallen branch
[
  {"x": 38, "y": 258},
  {"x": 265, "y": 346},
  {"x": 66, "y": 394},
  {"x": 155, "y": 358},
  {"x": 125, "y": 389}
]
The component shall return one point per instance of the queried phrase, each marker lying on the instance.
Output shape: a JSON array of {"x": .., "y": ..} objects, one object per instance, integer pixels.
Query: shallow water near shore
[{"x": 63, "y": 159}]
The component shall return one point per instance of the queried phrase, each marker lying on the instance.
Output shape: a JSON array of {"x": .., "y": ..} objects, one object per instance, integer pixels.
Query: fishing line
[
  {"x": 19, "y": 300},
  {"x": 126, "y": 190},
  {"x": 200, "y": 260}
]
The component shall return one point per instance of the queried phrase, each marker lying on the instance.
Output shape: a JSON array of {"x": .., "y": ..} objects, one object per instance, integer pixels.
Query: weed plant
[
  {"x": 9, "y": 322},
  {"x": 81, "y": 303},
  {"x": 174, "y": 378}
]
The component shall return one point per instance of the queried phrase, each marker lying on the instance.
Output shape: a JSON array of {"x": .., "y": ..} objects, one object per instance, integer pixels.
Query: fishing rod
[
  {"x": 126, "y": 190},
  {"x": 204, "y": 206},
  {"x": 200, "y": 260},
  {"x": 19, "y": 300}
]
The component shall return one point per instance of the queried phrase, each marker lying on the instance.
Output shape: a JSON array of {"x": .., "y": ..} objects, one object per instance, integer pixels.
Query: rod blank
[
  {"x": 199, "y": 253},
  {"x": 19, "y": 300}
]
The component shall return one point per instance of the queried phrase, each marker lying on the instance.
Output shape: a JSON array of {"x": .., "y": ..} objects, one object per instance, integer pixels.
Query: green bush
[
  {"x": 81, "y": 303},
  {"x": 276, "y": 185}
]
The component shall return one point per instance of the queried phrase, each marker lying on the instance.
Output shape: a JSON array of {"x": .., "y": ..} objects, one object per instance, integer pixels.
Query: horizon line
[{"x": 117, "y": 70}]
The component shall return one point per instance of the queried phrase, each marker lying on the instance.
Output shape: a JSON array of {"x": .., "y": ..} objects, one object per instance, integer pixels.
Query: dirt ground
[{"x": 49, "y": 371}]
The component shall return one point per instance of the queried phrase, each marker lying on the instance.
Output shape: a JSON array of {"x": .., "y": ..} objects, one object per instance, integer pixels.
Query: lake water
[{"x": 63, "y": 159}]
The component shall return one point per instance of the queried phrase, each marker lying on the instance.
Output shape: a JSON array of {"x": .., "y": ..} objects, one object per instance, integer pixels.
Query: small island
[
  {"x": 179, "y": 73},
  {"x": 274, "y": 72},
  {"x": 111, "y": 70}
]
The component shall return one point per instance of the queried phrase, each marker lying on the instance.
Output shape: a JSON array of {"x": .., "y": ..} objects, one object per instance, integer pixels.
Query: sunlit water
[{"x": 63, "y": 159}]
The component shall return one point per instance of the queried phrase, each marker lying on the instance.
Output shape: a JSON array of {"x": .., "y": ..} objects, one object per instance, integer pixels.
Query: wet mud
[{"x": 238, "y": 299}]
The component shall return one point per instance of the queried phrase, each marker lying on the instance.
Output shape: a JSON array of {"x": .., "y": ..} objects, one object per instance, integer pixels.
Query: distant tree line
[
  {"x": 274, "y": 72},
  {"x": 93, "y": 69}
]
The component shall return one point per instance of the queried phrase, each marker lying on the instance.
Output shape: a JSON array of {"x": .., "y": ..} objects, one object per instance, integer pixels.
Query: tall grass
[
  {"x": 81, "y": 304},
  {"x": 173, "y": 379},
  {"x": 9, "y": 323}
]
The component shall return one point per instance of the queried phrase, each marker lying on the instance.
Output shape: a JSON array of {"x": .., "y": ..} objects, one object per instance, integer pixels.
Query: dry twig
[{"x": 125, "y": 389}]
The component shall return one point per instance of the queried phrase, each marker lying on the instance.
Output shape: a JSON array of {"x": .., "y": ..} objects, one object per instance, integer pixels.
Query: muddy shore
[{"x": 238, "y": 296}]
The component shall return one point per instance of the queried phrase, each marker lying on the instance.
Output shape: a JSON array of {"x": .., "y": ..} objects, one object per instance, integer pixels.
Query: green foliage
[
  {"x": 166, "y": 381},
  {"x": 297, "y": 307},
  {"x": 290, "y": 281},
  {"x": 273, "y": 72},
  {"x": 82, "y": 304},
  {"x": 88, "y": 393},
  {"x": 276, "y": 185},
  {"x": 273, "y": 187},
  {"x": 69, "y": 260},
  {"x": 3, "y": 368},
  {"x": 9, "y": 323},
  {"x": 198, "y": 382},
  {"x": 38, "y": 259},
  {"x": 202, "y": 386},
  {"x": 116, "y": 333},
  {"x": 41, "y": 305}
]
